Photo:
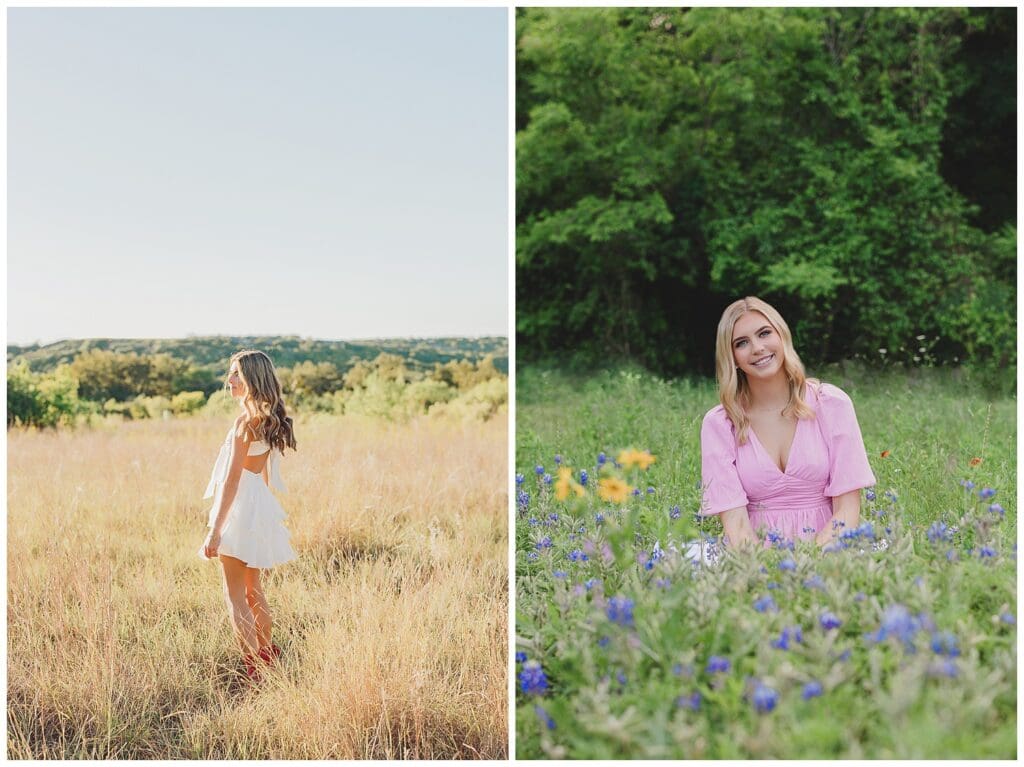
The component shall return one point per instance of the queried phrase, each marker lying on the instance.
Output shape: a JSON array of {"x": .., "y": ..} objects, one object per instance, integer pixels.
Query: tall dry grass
[{"x": 392, "y": 621}]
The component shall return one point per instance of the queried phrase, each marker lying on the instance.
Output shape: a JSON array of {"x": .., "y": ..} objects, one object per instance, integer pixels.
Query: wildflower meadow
[{"x": 639, "y": 636}]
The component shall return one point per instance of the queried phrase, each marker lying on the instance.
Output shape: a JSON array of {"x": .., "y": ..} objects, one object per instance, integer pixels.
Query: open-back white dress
[{"x": 254, "y": 530}]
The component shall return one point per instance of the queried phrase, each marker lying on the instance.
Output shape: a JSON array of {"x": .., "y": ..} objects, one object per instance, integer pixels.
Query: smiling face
[
  {"x": 235, "y": 382},
  {"x": 757, "y": 347}
]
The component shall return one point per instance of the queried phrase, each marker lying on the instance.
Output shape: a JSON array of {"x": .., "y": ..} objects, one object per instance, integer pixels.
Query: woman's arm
[
  {"x": 845, "y": 509},
  {"x": 227, "y": 495},
  {"x": 737, "y": 527}
]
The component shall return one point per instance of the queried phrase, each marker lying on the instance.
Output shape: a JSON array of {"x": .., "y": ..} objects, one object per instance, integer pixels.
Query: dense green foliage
[
  {"x": 670, "y": 161},
  {"x": 605, "y": 682},
  {"x": 213, "y": 352},
  {"x": 99, "y": 381}
]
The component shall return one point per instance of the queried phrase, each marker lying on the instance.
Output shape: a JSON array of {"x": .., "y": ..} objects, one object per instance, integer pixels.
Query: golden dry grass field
[{"x": 392, "y": 620}]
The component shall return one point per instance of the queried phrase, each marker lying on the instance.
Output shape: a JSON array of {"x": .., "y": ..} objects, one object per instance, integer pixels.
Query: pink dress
[{"x": 827, "y": 459}]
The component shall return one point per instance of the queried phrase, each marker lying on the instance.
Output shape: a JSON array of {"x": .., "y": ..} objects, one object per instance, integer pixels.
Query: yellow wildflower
[
  {"x": 613, "y": 489},
  {"x": 566, "y": 483},
  {"x": 642, "y": 459}
]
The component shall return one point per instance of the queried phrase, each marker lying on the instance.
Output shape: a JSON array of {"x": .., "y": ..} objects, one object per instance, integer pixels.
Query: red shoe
[
  {"x": 276, "y": 650},
  {"x": 252, "y": 671},
  {"x": 267, "y": 656}
]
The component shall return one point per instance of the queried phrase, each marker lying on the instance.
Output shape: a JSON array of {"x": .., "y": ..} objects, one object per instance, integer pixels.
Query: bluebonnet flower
[
  {"x": 845, "y": 655},
  {"x": 533, "y": 522},
  {"x": 939, "y": 531},
  {"x": 790, "y": 632},
  {"x": 546, "y": 479},
  {"x": 523, "y": 499},
  {"x": 558, "y": 460},
  {"x": 764, "y": 698},
  {"x": 636, "y": 491},
  {"x": 599, "y": 518},
  {"x": 765, "y": 603},
  {"x": 520, "y": 657},
  {"x": 620, "y": 610},
  {"x": 601, "y": 458},
  {"x": 774, "y": 536},
  {"x": 995, "y": 508},
  {"x": 811, "y": 690},
  {"x": 986, "y": 551},
  {"x": 945, "y": 667},
  {"x": 809, "y": 530},
  {"x": 560, "y": 574},
  {"x": 584, "y": 476},
  {"x": 532, "y": 679},
  {"x": 663, "y": 583},
  {"x": 650, "y": 491},
  {"x": 538, "y": 470},
  {"x": 553, "y": 516},
  {"x": 591, "y": 583},
  {"x": 787, "y": 564},
  {"x": 690, "y": 702},
  {"x": 1008, "y": 618},
  {"x": 544, "y": 543},
  {"x": 519, "y": 479},
  {"x": 898, "y": 622},
  {"x": 891, "y": 496},
  {"x": 967, "y": 484},
  {"x": 870, "y": 495},
  {"x": 860, "y": 596},
  {"x": 544, "y": 717},
  {"x": 772, "y": 585},
  {"x": 985, "y": 493},
  {"x": 717, "y": 664},
  {"x": 577, "y": 556},
  {"x": 944, "y": 643},
  {"x": 620, "y": 677},
  {"x": 950, "y": 555},
  {"x": 829, "y": 621},
  {"x": 532, "y": 556},
  {"x": 814, "y": 582},
  {"x": 674, "y": 513},
  {"x": 677, "y": 669}
]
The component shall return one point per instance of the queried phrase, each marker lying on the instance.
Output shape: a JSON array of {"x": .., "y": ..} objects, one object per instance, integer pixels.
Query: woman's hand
[
  {"x": 736, "y": 523},
  {"x": 211, "y": 544}
]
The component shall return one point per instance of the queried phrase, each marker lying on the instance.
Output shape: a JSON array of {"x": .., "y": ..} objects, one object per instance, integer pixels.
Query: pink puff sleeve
[
  {"x": 848, "y": 467},
  {"x": 719, "y": 478}
]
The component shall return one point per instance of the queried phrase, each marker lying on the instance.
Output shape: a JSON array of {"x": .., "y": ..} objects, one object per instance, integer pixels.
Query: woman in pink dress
[{"x": 782, "y": 453}]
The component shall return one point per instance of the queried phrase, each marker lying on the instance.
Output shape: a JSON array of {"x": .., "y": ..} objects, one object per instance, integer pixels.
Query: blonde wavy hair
[
  {"x": 262, "y": 400},
  {"x": 733, "y": 389}
]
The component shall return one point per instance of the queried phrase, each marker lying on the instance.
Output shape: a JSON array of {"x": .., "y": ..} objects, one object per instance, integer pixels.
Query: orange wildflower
[
  {"x": 885, "y": 454},
  {"x": 567, "y": 484},
  {"x": 613, "y": 489},
  {"x": 975, "y": 461}
]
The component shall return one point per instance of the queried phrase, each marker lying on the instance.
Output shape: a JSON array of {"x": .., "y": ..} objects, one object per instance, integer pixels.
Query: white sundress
[{"x": 254, "y": 530}]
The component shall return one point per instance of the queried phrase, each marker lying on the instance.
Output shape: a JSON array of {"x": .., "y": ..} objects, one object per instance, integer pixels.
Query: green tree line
[
  {"x": 100, "y": 383},
  {"x": 828, "y": 160}
]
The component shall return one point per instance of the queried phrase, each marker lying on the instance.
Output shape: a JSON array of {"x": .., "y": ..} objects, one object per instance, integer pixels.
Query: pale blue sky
[{"x": 325, "y": 172}]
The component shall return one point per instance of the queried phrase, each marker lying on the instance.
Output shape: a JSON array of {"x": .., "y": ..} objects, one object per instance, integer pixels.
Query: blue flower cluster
[
  {"x": 898, "y": 623},
  {"x": 764, "y": 698},
  {"x": 939, "y": 532},
  {"x": 790, "y": 633},
  {"x": 765, "y": 603},
  {"x": 545, "y": 718},
  {"x": 532, "y": 679},
  {"x": 620, "y": 611},
  {"x": 829, "y": 621},
  {"x": 689, "y": 702},
  {"x": 718, "y": 665}
]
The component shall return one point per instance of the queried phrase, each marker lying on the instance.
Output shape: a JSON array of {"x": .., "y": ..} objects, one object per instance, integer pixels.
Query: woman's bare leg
[
  {"x": 257, "y": 602},
  {"x": 238, "y": 607}
]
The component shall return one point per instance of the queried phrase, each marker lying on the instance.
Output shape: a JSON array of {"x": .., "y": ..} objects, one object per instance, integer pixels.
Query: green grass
[{"x": 612, "y": 689}]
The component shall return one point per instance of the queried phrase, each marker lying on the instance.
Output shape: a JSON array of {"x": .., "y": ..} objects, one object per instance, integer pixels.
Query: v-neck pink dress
[{"x": 827, "y": 458}]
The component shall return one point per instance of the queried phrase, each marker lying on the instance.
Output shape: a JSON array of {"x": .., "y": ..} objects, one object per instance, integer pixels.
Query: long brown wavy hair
[
  {"x": 262, "y": 400},
  {"x": 733, "y": 388}
]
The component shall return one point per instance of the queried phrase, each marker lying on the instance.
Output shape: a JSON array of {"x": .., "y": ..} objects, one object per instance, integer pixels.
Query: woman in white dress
[{"x": 246, "y": 521}]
